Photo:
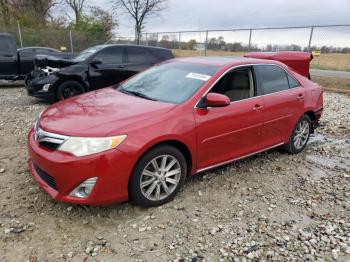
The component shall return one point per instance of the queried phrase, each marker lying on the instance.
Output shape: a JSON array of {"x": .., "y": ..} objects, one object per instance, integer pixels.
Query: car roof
[
  {"x": 131, "y": 45},
  {"x": 29, "y": 47},
  {"x": 224, "y": 61}
]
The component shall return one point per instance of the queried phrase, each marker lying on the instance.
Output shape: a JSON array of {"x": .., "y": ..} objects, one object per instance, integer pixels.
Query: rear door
[
  {"x": 8, "y": 56},
  {"x": 225, "y": 133},
  {"x": 111, "y": 69},
  {"x": 283, "y": 99},
  {"x": 138, "y": 59}
]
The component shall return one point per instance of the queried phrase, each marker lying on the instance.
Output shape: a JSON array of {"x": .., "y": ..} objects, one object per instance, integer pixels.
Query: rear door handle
[
  {"x": 300, "y": 96},
  {"x": 120, "y": 66}
]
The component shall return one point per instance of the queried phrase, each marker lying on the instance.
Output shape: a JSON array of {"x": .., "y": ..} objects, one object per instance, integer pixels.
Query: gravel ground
[{"x": 270, "y": 207}]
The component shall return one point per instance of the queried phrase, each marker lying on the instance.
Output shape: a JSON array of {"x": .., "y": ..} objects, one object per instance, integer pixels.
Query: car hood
[
  {"x": 105, "y": 112},
  {"x": 52, "y": 61}
]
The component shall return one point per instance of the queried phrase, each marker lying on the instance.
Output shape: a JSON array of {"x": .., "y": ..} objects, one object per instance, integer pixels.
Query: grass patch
[
  {"x": 333, "y": 84},
  {"x": 338, "y": 62}
]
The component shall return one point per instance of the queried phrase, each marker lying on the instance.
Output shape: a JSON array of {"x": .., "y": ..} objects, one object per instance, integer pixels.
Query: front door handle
[{"x": 257, "y": 107}]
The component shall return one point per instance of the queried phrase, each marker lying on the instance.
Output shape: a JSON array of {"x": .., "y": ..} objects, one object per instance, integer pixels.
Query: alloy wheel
[
  {"x": 160, "y": 177},
  {"x": 301, "y": 134}
]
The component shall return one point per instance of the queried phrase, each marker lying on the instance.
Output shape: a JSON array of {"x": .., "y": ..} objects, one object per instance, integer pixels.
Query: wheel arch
[
  {"x": 181, "y": 146},
  {"x": 313, "y": 118}
]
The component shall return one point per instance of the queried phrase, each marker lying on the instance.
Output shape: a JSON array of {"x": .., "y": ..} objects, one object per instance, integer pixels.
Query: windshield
[
  {"x": 173, "y": 82},
  {"x": 86, "y": 53}
]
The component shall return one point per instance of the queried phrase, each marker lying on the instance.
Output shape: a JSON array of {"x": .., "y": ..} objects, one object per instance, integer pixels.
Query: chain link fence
[
  {"x": 327, "y": 39},
  {"x": 62, "y": 39}
]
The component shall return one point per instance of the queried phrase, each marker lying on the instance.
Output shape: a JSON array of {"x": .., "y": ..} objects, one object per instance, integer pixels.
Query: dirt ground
[{"x": 270, "y": 207}]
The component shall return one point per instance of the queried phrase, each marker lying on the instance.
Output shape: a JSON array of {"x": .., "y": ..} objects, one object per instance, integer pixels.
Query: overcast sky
[
  {"x": 225, "y": 14},
  {"x": 228, "y": 14}
]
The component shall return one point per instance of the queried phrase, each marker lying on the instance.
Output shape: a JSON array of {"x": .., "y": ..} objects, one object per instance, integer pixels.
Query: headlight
[{"x": 83, "y": 146}]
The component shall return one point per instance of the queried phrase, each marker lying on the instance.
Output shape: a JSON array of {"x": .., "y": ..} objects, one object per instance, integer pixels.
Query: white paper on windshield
[{"x": 198, "y": 76}]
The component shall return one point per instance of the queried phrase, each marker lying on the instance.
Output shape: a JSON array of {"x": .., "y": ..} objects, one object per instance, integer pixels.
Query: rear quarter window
[
  {"x": 138, "y": 55},
  {"x": 272, "y": 79}
]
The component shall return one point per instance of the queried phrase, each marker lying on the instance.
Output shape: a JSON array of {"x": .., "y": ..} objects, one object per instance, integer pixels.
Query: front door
[
  {"x": 226, "y": 133},
  {"x": 110, "y": 69}
]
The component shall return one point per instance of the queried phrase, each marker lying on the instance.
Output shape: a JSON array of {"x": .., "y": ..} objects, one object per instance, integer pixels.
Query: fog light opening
[
  {"x": 46, "y": 87},
  {"x": 84, "y": 189}
]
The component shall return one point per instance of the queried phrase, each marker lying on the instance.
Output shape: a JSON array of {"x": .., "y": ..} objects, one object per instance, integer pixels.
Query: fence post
[
  {"x": 71, "y": 41},
  {"x": 206, "y": 43},
  {"x": 179, "y": 42},
  {"x": 250, "y": 39},
  {"x": 19, "y": 33},
  {"x": 311, "y": 35}
]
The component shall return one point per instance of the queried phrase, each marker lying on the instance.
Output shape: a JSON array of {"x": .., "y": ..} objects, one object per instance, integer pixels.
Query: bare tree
[
  {"x": 77, "y": 6},
  {"x": 140, "y": 10}
]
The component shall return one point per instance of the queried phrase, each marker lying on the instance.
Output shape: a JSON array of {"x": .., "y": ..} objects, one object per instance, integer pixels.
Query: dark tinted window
[
  {"x": 173, "y": 82},
  {"x": 272, "y": 79},
  {"x": 28, "y": 52},
  {"x": 111, "y": 55},
  {"x": 237, "y": 85},
  {"x": 44, "y": 51},
  {"x": 138, "y": 55},
  {"x": 292, "y": 82}
]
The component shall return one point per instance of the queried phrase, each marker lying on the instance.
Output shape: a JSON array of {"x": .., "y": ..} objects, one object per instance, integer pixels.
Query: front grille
[
  {"x": 46, "y": 177},
  {"x": 53, "y": 146},
  {"x": 47, "y": 139}
]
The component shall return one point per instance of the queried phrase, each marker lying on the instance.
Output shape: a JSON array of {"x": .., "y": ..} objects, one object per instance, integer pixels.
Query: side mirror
[
  {"x": 95, "y": 62},
  {"x": 217, "y": 100}
]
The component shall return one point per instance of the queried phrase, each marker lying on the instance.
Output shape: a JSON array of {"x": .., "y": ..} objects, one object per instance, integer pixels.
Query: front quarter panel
[{"x": 177, "y": 125}]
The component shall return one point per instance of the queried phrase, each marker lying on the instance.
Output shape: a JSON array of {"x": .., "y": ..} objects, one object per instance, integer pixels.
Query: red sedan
[{"x": 139, "y": 141}]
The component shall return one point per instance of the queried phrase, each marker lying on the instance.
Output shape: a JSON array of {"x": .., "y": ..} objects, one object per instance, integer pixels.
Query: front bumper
[
  {"x": 35, "y": 84},
  {"x": 112, "y": 168}
]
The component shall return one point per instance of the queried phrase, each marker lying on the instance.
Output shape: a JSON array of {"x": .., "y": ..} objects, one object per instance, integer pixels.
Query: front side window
[
  {"x": 272, "y": 79},
  {"x": 172, "y": 82},
  {"x": 237, "y": 85},
  {"x": 110, "y": 55},
  {"x": 87, "y": 53}
]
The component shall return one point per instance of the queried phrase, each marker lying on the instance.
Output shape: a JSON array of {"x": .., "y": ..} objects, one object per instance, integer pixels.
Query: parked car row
[
  {"x": 96, "y": 67},
  {"x": 15, "y": 63},
  {"x": 142, "y": 136}
]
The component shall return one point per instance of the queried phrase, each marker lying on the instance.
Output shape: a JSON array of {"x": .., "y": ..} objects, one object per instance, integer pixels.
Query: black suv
[{"x": 96, "y": 67}]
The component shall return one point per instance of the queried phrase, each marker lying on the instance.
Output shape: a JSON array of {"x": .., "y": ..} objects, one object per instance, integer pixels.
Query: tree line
[{"x": 89, "y": 19}]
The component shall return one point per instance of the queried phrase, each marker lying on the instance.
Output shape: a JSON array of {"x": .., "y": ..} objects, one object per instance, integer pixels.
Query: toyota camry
[{"x": 139, "y": 140}]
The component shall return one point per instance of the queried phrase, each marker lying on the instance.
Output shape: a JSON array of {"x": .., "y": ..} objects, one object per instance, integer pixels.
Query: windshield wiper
[
  {"x": 135, "y": 93},
  {"x": 139, "y": 94}
]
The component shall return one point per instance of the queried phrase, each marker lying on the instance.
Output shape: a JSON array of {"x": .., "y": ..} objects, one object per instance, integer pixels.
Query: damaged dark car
[{"x": 97, "y": 67}]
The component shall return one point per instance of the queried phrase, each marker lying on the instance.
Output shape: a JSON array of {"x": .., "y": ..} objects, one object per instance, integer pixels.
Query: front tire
[
  {"x": 158, "y": 176},
  {"x": 300, "y": 136},
  {"x": 69, "y": 89}
]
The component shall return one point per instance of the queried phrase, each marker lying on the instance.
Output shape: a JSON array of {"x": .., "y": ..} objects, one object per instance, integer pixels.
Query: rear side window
[
  {"x": 110, "y": 55},
  {"x": 292, "y": 82},
  {"x": 272, "y": 79},
  {"x": 138, "y": 55}
]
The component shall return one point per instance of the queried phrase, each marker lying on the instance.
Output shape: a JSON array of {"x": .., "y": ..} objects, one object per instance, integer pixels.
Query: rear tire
[
  {"x": 69, "y": 89},
  {"x": 157, "y": 177},
  {"x": 300, "y": 136}
]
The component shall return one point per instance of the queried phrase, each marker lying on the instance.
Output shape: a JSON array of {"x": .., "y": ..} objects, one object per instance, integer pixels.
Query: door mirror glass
[{"x": 217, "y": 100}]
